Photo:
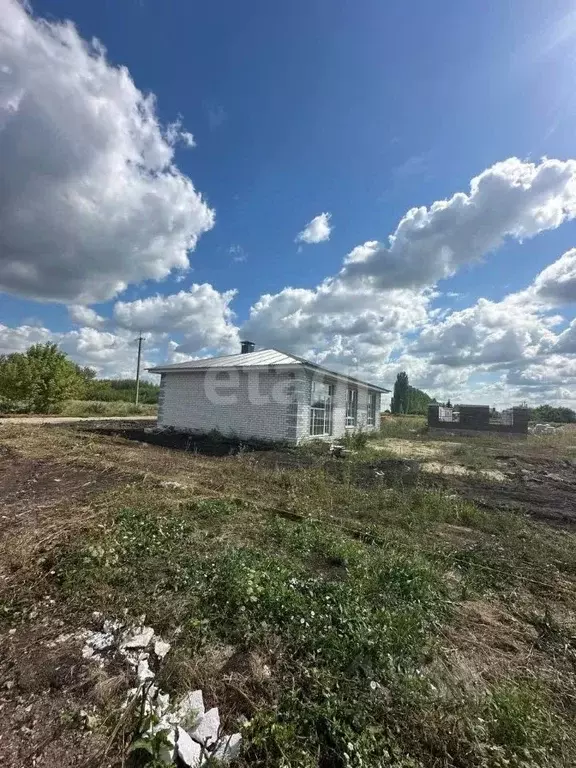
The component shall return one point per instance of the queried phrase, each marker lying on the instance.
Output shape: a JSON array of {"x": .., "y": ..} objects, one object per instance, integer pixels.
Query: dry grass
[
  {"x": 490, "y": 627},
  {"x": 105, "y": 408}
]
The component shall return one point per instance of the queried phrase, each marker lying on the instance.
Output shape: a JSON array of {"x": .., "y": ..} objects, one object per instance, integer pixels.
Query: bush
[
  {"x": 39, "y": 379},
  {"x": 356, "y": 440}
]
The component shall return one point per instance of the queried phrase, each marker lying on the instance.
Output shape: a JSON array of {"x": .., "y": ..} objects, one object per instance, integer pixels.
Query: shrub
[{"x": 356, "y": 440}]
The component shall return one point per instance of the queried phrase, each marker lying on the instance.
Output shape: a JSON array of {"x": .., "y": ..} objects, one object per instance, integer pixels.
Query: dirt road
[{"x": 69, "y": 419}]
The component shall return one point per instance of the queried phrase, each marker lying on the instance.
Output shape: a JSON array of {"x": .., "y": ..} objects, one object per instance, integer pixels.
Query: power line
[{"x": 140, "y": 339}]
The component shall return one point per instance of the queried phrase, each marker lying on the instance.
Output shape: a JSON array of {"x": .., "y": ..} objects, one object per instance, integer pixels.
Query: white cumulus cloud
[
  {"x": 557, "y": 283},
  {"x": 86, "y": 316},
  {"x": 316, "y": 231},
  {"x": 512, "y": 199},
  {"x": 90, "y": 199},
  {"x": 202, "y": 315}
]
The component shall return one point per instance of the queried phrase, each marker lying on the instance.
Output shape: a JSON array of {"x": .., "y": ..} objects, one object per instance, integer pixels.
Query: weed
[
  {"x": 105, "y": 408},
  {"x": 356, "y": 440},
  {"x": 349, "y": 601},
  {"x": 402, "y": 426}
]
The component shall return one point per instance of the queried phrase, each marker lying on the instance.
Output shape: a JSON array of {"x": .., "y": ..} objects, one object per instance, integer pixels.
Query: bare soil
[
  {"x": 541, "y": 487},
  {"x": 31, "y": 488},
  {"x": 545, "y": 489},
  {"x": 45, "y": 685}
]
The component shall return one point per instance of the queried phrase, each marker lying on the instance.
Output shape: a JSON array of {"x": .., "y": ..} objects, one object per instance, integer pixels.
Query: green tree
[
  {"x": 15, "y": 381},
  {"x": 400, "y": 395},
  {"x": 39, "y": 379},
  {"x": 418, "y": 401},
  {"x": 557, "y": 414}
]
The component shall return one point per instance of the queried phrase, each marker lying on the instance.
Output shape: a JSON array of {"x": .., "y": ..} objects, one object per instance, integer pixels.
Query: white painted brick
[{"x": 186, "y": 402}]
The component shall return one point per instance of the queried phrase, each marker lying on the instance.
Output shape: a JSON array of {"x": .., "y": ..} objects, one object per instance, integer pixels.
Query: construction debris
[
  {"x": 542, "y": 429},
  {"x": 191, "y": 735}
]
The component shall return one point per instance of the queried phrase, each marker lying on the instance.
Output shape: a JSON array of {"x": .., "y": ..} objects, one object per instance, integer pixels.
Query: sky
[{"x": 374, "y": 186}]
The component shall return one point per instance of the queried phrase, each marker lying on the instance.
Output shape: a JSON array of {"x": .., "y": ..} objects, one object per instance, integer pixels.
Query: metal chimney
[{"x": 246, "y": 347}]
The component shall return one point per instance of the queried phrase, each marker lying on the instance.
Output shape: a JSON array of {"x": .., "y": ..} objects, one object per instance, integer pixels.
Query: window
[
  {"x": 321, "y": 408},
  {"x": 351, "y": 407},
  {"x": 371, "y": 414}
]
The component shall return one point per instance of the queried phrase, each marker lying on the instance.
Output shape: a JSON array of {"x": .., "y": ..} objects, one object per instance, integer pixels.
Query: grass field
[
  {"x": 379, "y": 610},
  {"x": 105, "y": 408}
]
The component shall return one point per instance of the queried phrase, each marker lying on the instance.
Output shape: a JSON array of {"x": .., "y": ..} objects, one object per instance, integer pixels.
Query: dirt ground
[
  {"x": 31, "y": 488},
  {"x": 541, "y": 487},
  {"x": 545, "y": 489},
  {"x": 45, "y": 683}
]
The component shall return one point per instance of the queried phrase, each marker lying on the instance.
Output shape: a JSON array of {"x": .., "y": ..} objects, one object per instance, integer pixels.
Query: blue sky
[{"x": 359, "y": 110}]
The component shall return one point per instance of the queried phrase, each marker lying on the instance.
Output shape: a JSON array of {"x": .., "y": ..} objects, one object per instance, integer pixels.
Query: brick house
[{"x": 269, "y": 395}]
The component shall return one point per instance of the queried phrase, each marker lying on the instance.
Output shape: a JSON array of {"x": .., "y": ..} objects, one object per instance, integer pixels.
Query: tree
[
  {"x": 418, "y": 401},
  {"x": 408, "y": 399},
  {"x": 39, "y": 379},
  {"x": 557, "y": 414},
  {"x": 400, "y": 396}
]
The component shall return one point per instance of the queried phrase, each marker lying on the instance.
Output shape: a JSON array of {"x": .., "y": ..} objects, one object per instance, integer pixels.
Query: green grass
[
  {"x": 402, "y": 426},
  {"x": 354, "y": 626},
  {"x": 352, "y": 588},
  {"x": 105, "y": 408}
]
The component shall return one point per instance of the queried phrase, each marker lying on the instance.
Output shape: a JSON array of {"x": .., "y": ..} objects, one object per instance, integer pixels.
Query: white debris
[
  {"x": 139, "y": 637},
  {"x": 96, "y": 642},
  {"x": 100, "y": 641},
  {"x": 228, "y": 748},
  {"x": 161, "y": 648},
  {"x": 542, "y": 429},
  {"x": 112, "y": 626},
  {"x": 163, "y": 702},
  {"x": 192, "y": 735},
  {"x": 188, "y": 750},
  {"x": 190, "y": 709},
  {"x": 206, "y": 732},
  {"x": 144, "y": 672}
]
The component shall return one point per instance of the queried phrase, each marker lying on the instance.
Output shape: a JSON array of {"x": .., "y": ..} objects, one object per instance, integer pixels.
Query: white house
[{"x": 269, "y": 395}]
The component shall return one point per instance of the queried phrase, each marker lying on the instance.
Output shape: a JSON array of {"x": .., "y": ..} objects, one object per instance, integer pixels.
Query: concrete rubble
[
  {"x": 191, "y": 734},
  {"x": 542, "y": 429}
]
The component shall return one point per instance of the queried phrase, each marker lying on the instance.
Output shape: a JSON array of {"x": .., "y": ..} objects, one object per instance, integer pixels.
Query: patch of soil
[
  {"x": 545, "y": 489},
  {"x": 30, "y": 488},
  {"x": 210, "y": 444},
  {"x": 45, "y": 697}
]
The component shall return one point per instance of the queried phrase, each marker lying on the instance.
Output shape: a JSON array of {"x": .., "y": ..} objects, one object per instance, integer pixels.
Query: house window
[
  {"x": 321, "y": 408},
  {"x": 371, "y": 413},
  {"x": 351, "y": 407}
]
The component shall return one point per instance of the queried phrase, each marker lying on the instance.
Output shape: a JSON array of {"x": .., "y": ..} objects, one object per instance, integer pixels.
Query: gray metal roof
[
  {"x": 248, "y": 360},
  {"x": 261, "y": 359}
]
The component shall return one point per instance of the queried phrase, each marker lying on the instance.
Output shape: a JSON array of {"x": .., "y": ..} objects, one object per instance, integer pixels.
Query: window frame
[
  {"x": 371, "y": 409},
  {"x": 321, "y": 416},
  {"x": 351, "y": 416}
]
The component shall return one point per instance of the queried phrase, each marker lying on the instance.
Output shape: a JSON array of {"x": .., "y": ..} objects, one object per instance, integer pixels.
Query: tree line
[
  {"x": 408, "y": 399},
  {"x": 41, "y": 378},
  {"x": 553, "y": 413}
]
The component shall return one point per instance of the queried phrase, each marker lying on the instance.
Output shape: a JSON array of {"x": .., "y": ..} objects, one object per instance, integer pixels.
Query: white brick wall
[
  {"x": 304, "y": 380},
  {"x": 272, "y": 405},
  {"x": 239, "y": 403}
]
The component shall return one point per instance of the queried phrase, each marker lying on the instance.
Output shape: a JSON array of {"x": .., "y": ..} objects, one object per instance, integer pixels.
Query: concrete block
[
  {"x": 229, "y": 748},
  {"x": 206, "y": 732},
  {"x": 190, "y": 709},
  {"x": 188, "y": 750}
]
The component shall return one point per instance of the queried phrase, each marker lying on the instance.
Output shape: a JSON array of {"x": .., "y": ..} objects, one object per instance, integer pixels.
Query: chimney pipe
[{"x": 246, "y": 347}]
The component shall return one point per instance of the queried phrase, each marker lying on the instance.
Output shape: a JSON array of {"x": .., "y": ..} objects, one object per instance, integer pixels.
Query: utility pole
[{"x": 140, "y": 340}]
